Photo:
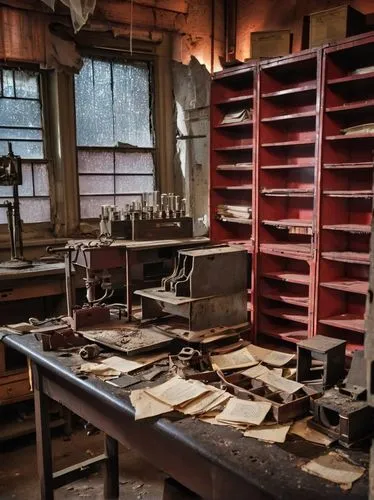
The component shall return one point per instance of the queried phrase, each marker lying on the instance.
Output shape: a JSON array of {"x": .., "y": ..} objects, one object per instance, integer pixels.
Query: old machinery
[
  {"x": 11, "y": 175},
  {"x": 150, "y": 219},
  {"x": 197, "y": 291}
]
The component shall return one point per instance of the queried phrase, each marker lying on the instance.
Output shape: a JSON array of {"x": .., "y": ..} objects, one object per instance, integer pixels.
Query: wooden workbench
[{"x": 215, "y": 462}]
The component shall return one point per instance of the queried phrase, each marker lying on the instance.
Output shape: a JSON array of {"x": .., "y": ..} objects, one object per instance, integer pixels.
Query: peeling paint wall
[{"x": 254, "y": 15}]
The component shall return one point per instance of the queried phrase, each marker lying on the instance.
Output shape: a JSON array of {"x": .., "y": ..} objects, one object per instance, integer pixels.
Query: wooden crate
[{"x": 270, "y": 43}]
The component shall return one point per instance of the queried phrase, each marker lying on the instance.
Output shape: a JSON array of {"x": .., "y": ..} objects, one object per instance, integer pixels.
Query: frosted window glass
[
  {"x": 26, "y": 85},
  {"x": 8, "y": 89},
  {"x": 113, "y": 104},
  {"x": 92, "y": 162},
  {"x": 134, "y": 163},
  {"x": 16, "y": 133},
  {"x": 5, "y": 192},
  {"x": 35, "y": 210},
  {"x": 121, "y": 200},
  {"x": 133, "y": 183},
  {"x": 41, "y": 181},
  {"x": 19, "y": 113},
  {"x": 26, "y": 188},
  {"x": 96, "y": 184},
  {"x": 29, "y": 150},
  {"x": 131, "y": 100},
  {"x": 91, "y": 207}
]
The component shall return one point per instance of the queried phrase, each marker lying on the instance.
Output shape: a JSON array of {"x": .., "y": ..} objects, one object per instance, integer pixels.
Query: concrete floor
[{"x": 19, "y": 480}]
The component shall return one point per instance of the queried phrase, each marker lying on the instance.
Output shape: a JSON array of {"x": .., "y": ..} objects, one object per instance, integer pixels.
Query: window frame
[
  {"x": 108, "y": 54},
  {"x": 37, "y": 230}
]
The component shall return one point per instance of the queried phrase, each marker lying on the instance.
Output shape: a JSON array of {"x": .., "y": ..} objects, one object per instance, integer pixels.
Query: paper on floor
[
  {"x": 244, "y": 412},
  {"x": 255, "y": 371},
  {"x": 176, "y": 391},
  {"x": 123, "y": 365},
  {"x": 241, "y": 358},
  {"x": 278, "y": 359},
  {"x": 146, "y": 406},
  {"x": 100, "y": 370},
  {"x": 270, "y": 433},
  {"x": 258, "y": 352},
  {"x": 280, "y": 383},
  {"x": 334, "y": 468},
  {"x": 301, "y": 429}
]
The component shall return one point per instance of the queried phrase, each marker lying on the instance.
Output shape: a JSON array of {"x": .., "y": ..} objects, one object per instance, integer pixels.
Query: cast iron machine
[{"x": 11, "y": 175}]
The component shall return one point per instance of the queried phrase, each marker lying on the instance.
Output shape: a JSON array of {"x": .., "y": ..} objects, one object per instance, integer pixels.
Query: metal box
[
  {"x": 152, "y": 229},
  {"x": 270, "y": 43}
]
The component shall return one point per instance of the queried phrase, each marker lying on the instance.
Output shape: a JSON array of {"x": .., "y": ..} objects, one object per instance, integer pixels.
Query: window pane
[
  {"x": 131, "y": 100},
  {"x": 90, "y": 206},
  {"x": 26, "y": 85},
  {"x": 121, "y": 200},
  {"x": 19, "y": 113},
  {"x": 29, "y": 150},
  {"x": 5, "y": 192},
  {"x": 134, "y": 163},
  {"x": 35, "y": 210},
  {"x": 8, "y": 89},
  {"x": 92, "y": 162},
  {"x": 26, "y": 188},
  {"x": 96, "y": 184},
  {"x": 20, "y": 133},
  {"x": 133, "y": 184},
  {"x": 94, "y": 110},
  {"x": 41, "y": 181}
]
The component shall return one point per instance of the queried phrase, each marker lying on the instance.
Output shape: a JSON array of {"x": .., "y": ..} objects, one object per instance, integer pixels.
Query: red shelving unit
[
  {"x": 233, "y": 161},
  {"x": 288, "y": 110},
  {"x": 346, "y": 190}
]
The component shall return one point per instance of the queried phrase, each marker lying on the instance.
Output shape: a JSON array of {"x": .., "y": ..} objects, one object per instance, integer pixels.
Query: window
[
  {"x": 113, "y": 108},
  {"x": 21, "y": 124}
]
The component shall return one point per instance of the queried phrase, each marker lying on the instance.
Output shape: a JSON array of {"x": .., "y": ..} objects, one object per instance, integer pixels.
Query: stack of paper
[
  {"x": 243, "y": 412},
  {"x": 235, "y": 211},
  {"x": 241, "y": 358},
  {"x": 205, "y": 403},
  {"x": 280, "y": 383},
  {"x": 237, "y": 116},
  {"x": 271, "y": 433}
]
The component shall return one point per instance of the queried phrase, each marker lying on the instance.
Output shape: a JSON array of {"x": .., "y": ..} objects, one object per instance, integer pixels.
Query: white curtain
[{"x": 79, "y": 9}]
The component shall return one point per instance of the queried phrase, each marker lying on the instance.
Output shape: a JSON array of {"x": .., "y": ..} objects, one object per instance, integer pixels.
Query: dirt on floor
[{"x": 19, "y": 479}]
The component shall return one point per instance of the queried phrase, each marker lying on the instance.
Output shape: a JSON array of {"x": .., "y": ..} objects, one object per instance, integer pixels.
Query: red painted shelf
[
  {"x": 234, "y": 168},
  {"x": 350, "y": 79},
  {"x": 234, "y": 100},
  {"x": 348, "y": 257},
  {"x": 336, "y": 193},
  {"x": 352, "y": 106},
  {"x": 292, "y": 116},
  {"x": 348, "y": 166},
  {"x": 287, "y": 249},
  {"x": 244, "y": 123},
  {"x": 349, "y": 137},
  {"x": 245, "y": 187},
  {"x": 295, "y": 192},
  {"x": 346, "y": 321},
  {"x": 288, "y": 333},
  {"x": 284, "y": 144},
  {"x": 291, "y": 277},
  {"x": 246, "y": 147},
  {"x": 349, "y": 285},
  {"x": 287, "y": 297},
  {"x": 234, "y": 220},
  {"x": 311, "y": 87},
  {"x": 286, "y": 313},
  {"x": 288, "y": 223},
  {"x": 287, "y": 167},
  {"x": 349, "y": 228}
]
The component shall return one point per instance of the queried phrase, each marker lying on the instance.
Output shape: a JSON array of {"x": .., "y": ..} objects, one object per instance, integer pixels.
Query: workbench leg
[
  {"x": 128, "y": 285},
  {"x": 111, "y": 472},
  {"x": 175, "y": 491},
  {"x": 43, "y": 437}
]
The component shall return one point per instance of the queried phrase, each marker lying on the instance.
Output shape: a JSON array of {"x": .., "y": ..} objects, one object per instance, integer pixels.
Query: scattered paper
[
  {"x": 146, "y": 406},
  {"x": 236, "y": 359},
  {"x": 270, "y": 433},
  {"x": 258, "y": 352},
  {"x": 275, "y": 358},
  {"x": 204, "y": 403},
  {"x": 334, "y": 468},
  {"x": 100, "y": 370},
  {"x": 280, "y": 383},
  {"x": 301, "y": 429},
  {"x": 289, "y": 372},
  {"x": 176, "y": 391},
  {"x": 123, "y": 365},
  {"x": 255, "y": 371},
  {"x": 244, "y": 412},
  {"x": 125, "y": 381}
]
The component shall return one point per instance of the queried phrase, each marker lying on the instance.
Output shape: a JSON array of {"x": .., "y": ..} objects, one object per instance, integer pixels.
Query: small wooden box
[
  {"x": 270, "y": 43},
  {"x": 334, "y": 24}
]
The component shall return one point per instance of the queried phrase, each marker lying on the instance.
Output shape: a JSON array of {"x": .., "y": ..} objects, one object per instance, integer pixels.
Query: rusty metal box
[{"x": 152, "y": 229}]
